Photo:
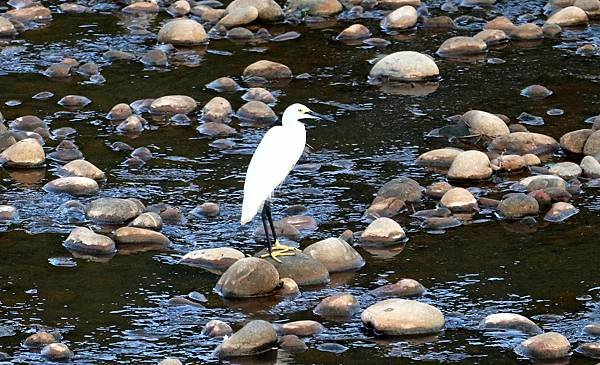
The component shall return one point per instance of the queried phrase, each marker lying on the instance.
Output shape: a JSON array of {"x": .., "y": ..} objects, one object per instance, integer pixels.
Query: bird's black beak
[{"x": 315, "y": 115}]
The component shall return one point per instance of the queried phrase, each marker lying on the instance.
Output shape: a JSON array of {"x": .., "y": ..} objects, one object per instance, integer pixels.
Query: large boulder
[
  {"x": 569, "y": 16},
  {"x": 337, "y": 255},
  {"x": 405, "y": 66},
  {"x": 462, "y": 46},
  {"x": 183, "y": 32},
  {"x": 522, "y": 143},
  {"x": 401, "y": 317},
  {"x": 268, "y": 10},
  {"x": 484, "y": 124},
  {"x": 470, "y": 165},
  {"x": 315, "y": 7},
  {"x": 402, "y": 18},
  {"x": 254, "y": 338},
  {"x": 27, "y": 153},
  {"x": 113, "y": 210},
  {"x": 248, "y": 277}
]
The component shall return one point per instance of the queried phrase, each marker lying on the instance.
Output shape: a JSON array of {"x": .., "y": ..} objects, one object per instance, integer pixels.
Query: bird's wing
[{"x": 272, "y": 161}]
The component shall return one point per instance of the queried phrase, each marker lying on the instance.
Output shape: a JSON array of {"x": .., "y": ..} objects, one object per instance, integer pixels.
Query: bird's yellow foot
[
  {"x": 279, "y": 250},
  {"x": 279, "y": 247}
]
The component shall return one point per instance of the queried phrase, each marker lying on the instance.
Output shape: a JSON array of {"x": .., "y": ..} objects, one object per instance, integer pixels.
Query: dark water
[{"x": 117, "y": 311}]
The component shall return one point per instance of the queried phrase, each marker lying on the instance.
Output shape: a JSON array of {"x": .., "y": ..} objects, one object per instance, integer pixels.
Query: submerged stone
[
  {"x": 113, "y": 210},
  {"x": 518, "y": 205},
  {"x": 509, "y": 322},
  {"x": 254, "y": 338},
  {"x": 339, "y": 305},
  {"x": 84, "y": 240},
  {"x": 462, "y": 46},
  {"x": 216, "y": 328},
  {"x": 560, "y": 212},
  {"x": 57, "y": 352},
  {"x": 216, "y": 260},
  {"x": 248, "y": 277},
  {"x": 401, "y": 317},
  {"x": 401, "y": 289}
]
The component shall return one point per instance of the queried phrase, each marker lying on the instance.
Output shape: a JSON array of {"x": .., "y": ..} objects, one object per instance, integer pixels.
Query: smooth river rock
[
  {"x": 521, "y": 143},
  {"x": 574, "y": 141},
  {"x": 547, "y": 346},
  {"x": 57, "y": 352},
  {"x": 216, "y": 328},
  {"x": 315, "y": 7},
  {"x": 402, "y": 317},
  {"x": 484, "y": 124},
  {"x": 176, "y": 104},
  {"x": 216, "y": 260},
  {"x": 84, "y": 240},
  {"x": 113, "y": 210},
  {"x": 590, "y": 167},
  {"x": 303, "y": 269},
  {"x": 470, "y": 165},
  {"x": 268, "y": 10},
  {"x": 73, "y": 185},
  {"x": 569, "y": 16},
  {"x": 267, "y": 70},
  {"x": 383, "y": 230},
  {"x": 82, "y": 168},
  {"x": 518, "y": 205},
  {"x": 182, "y": 32},
  {"x": 462, "y": 46},
  {"x": 441, "y": 157},
  {"x": 400, "y": 19},
  {"x": 26, "y": 153},
  {"x": 135, "y": 235},
  {"x": 339, "y": 305},
  {"x": 405, "y": 66},
  {"x": 254, "y": 338},
  {"x": 401, "y": 289},
  {"x": 509, "y": 322},
  {"x": 459, "y": 200},
  {"x": 337, "y": 255},
  {"x": 560, "y": 211},
  {"x": 248, "y": 277}
]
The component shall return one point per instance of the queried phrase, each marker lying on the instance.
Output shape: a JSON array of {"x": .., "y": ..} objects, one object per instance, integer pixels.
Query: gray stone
[
  {"x": 113, "y": 210},
  {"x": 401, "y": 317},
  {"x": 254, "y": 338},
  {"x": 518, "y": 205},
  {"x": 547, "y": 346},
  {"x": 177, "y": 104},
  {"x": 339, "y": 305},
  {"x": 84, "y": 240},
  {"x": 335, "y": 254},
  {"x": 405, "y": 66},
  {"x": 509, "y": 322},
  {"x": 216, "y": 260},
  {"x": 248, "y": 277},
  {"x": 216, "y": 328},
  {"x": 26, "y": 153}
]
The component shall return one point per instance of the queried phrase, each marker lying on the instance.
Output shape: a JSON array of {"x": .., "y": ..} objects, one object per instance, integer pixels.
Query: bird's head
[{"x": 298, "y": 111}]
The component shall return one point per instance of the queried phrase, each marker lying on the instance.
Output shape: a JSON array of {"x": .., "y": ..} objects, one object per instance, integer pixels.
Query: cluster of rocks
[{"x": 50, "y": 346}]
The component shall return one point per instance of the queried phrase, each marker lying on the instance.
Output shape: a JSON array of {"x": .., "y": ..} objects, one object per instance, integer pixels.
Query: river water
[{"x": 117, "y": 311}]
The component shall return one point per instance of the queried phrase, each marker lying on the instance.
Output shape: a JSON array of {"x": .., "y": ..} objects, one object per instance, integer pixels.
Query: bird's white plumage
[{"x": 274, "y": 158}]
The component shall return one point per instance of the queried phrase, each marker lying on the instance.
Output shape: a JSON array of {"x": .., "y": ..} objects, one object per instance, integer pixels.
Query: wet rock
[
  {"x": 335, "y": 254},
  {"x": 88, "y": 69},
  {"x": 526, "y": 32},
  {"x": 248, "y": 277},
  {"x": 216, "y": 129},
  {"x": 521, "y": 143},
  {"x": 339, "y": 305},
  {"x": 470, "y": 165},
  {"x": 302, "y": 328},
  {"x": 82, "y": 168},
  {"x": 119, "y": 112},
  {"x": 207, "y": 209},
  {"x": 132, "y": 125},
  {"x": 459, "y": 200},
  {"x": 500, "y": 23},
  {"x": 401, "y": 289},
  {"x": 155, "y": 57},
  {"x": 8, "y": 213},
  {"x": 171, "y": 360},
  {"x": 438, "y": 189},
  {"x": 43, "y": 95},
  {"x": 560, "y": 211},
  {"x": 292, "y": 343},
  {"x": 547, "y": 346},
  {"x": 73, "y": 185},
  {"x": 149, "y": 220},
  {"x": 509, "y": 163},
  {"x": 484, "y": 124},
  {"x": 385, "y": 207},
  {"x": 509, "y": 322},
  {"x": 74, "y": 101},
  {"x": 405, "y": 66},
  {"x": 569, "y": 16},
  {"x": 383, "y": 230},
  {"x": 216, "y": 260},
  {"x": 216, "y": 328},
  {"x": 377, "y": 42},
  {"x": 28, "y": 14},
  {"x": 551, "y": 30},
  {"x": 301, "y": 222},
  {"x": 401, "y": 317},
  {"x": 536, "y": 92},
  {"x": 590, "y": 167},
  {"x": 442, "y": 157},
  {"x": 7, "y": 29},
  {"x": 256, "y": 112},
  {"x": 592, "y": 329},
  {"x": 57, "y": 352},
  {"x": 84, "y": 240},
  {"x": 537, "y": 182},
  {"x": 208, "y": 14},
  {"x": 239, "y": 33},
  {"x": 439, "y": 22},
  {"x": 143, "y": 153},
  {"x": 402, "y": 18},
  {"x": 566, "y": 170},
  {"x": 267, "y": 70},
  {"x": 169, "y": 214},
  {"x": 27, "y": 123},
  {"x": 301, "y": 268},
  {"x": 259, "y": 94},
  {"x": 353, "y": 32},
  {"x": 116, "y": 55},
  {"x": 462, "y": 46},
  {"x": 224, "y": 84},
  {"x": 254, "y": 338},
  {"x": 574, "y": 141},
  {"x": 238, "y": 17},
  {"x": 27, "y": 153},
  {"x": 592, "y": 144},
  {"x": 41, "y": 339},
  {"x": 315, "y": 7},
  {"x": 518, "y": 205},
  {"x": 492, "y": 37},
  {"x": 589, "y": 349},
  {"x": 282, "y": 229},
  {"x": 182, "y": 32},
  {"x": 141, "y": 8},
  {"x": 113, "y": 210},
  {"x": 127, "y": 235},
  {"x": 179, "y": 8},
  {"x": 177, "y": 104},
  {"x": 268, "y": 10},
  {"x": 402, "y": 188}
]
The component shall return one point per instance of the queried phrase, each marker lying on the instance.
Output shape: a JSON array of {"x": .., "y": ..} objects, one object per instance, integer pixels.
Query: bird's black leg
[
  {"x": 263, "y": 217},
  {"x": 270, "y": 218}
]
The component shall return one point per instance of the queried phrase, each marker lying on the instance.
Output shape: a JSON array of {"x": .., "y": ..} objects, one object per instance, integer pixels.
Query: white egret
[{"x": 274, "y": 158}]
